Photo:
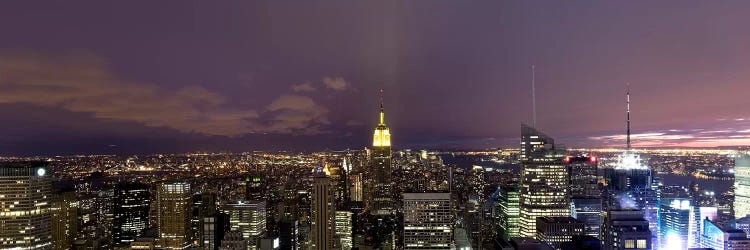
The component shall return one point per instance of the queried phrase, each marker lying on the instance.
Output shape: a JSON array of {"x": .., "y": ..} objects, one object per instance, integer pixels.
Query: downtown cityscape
[{"x": 104, "y": 145}]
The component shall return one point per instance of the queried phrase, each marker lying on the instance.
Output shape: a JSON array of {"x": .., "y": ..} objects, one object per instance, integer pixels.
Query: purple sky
[{"x": 175, "y": 76}]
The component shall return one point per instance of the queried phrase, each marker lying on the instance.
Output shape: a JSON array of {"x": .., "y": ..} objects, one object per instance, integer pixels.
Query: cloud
[
  {"x": 336, "y": 83},
  {"x": 303, "y": 87},
  {"x": 294, "y": 114},
  {"x": 83, "y": 83}
]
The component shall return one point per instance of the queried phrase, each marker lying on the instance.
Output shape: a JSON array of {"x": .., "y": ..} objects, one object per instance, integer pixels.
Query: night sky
[{"x": 178, "y": 76}]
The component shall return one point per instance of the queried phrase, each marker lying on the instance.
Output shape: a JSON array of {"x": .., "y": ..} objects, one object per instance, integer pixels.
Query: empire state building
[{"x": 381, "y": 161}]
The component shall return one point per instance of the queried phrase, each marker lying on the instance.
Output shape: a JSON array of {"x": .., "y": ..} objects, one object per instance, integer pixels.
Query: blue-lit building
[
  {"x": 718, "y": 238},
  {"x": 589, "y": 211},
  {"x": 674, "y": 223}
]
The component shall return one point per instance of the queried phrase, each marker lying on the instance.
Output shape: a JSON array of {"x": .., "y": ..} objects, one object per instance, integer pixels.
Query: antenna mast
[{"x": 628, "y": 112}]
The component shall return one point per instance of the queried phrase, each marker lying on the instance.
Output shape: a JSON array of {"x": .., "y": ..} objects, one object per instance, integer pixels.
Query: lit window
[
  {"x": 642, "y": 243},
  {"x": 629, "y": 244}
]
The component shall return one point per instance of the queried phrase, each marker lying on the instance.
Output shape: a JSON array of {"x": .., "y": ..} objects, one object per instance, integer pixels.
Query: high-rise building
[
  {"x": 323, "y": 212},
  {"x": 173, "y": 202},
  {"x": 696, "y": 223},
  {"x": 509, "y": 211},
  {"x": 64, "y": 211},
  {"x": 25, "y": 197},
  {"x": 674, "y": 223},
  {"x": 382, "y": 203},
  {"x": 355, "y": 187},
  {"x": 630, "y": 183},
  {"x": 344, "y": 230},
  {"x": 719, "y": 238},
  {"x": 626, "y": 229},
  {"x": 131, "y": 207},
  {"x": 427, "y": 221},
  {"x": 248, "y": 218},
  {"x": 544, "y": 180},
  {"x": 589, "y": 212},
  {"x": 742, "y": 185},
  {"x": 557, "y": 230},
  {"x": 203, "y": 207},
  {"x": 213, "y": 229},
  {"x": 583, "y": 176}
]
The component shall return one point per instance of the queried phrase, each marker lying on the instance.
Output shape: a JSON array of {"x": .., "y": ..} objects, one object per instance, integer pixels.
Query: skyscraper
[
  {"x": 344, "y": 230},
  {"x": 557, "y": 230},
  {"x": 583, "y": 176},
  {"x": 626, "y": 229},
  {"x": 25, "y": 197},
  {"x": 382, "y": 203},
  {"x": 510, "y": 212},
  {"x": 742, "y": 185},
  {"x": 173, "y": 215},
  {"x": 131, "y": 207},
  {"x": 427, "y": 221},
  {"x": 203, "y": 210},
  {"x": 323, "y": 212},
  {"x": 630, "y": 183},
  {"x": 717, "y": 237},
  {"x": 674, "y": 223},
  {"x": 64, "y": 219},
  {"x": 248, "y": 218},
  {"x": 544, "y": 180}
]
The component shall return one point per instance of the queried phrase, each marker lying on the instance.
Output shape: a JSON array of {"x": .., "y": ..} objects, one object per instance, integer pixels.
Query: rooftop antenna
[
  {"x": 382, "y": 113},
  {"x": 628, "y": 113},
  {"x": 533, "y": 97}
]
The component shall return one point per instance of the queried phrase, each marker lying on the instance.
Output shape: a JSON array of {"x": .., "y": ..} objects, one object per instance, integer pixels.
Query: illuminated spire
[
  {"x": 382, "y": 112},
  {"x": 628, "y": 113}
]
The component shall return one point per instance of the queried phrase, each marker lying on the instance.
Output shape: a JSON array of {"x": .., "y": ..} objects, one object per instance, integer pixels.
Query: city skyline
[{"x": 272, "y": 76}]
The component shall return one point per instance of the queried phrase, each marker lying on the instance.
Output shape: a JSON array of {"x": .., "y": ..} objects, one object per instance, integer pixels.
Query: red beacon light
[
  {"x": 593, "y": 159},
  {"x": 567, "y": 159}
]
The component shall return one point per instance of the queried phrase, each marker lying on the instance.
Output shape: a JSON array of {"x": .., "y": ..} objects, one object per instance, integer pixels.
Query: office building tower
[
  {"x": 203, "y": 207},
  {"x": 355, "y": 187},
  {"x": 25, "y": 197},
  {"x": 288, "y": 234},
  {"x": 544, "y": 180},
  {"x": 716, "y": 237},
  {"x": 626, "y": 229},
  {"x": 213, "y": 229},
  {"x": 588, "y": 210},
  {"x": 630, "y": 183},
  {"x": 382, "y": 203},
  {"x": 698, "y": 215},
  {"x": 557, "y": 230},
  {"x": 64, "y": 210},
  {"x": 248, "y": 218},
  {"x": 173, "y": 202},
  {"x": 509, "y": 211},
  {"x": 344, "y": 230},
  {"x": 427, "y": 221},
  {"x": 255, "y": 187},
  {"x": 742, "y": 185},
  {"x": 323, "y": 212},
  {"x": 131, "y": 208},
  {"x": 583, "y": 176},
  {"x": 674, "y": 223}
]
